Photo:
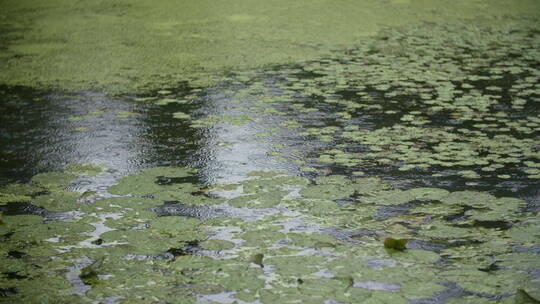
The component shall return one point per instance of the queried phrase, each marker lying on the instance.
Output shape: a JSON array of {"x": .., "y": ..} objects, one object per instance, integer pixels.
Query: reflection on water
[
  {"x": 47, "y": 131},
  {"x": 44, "y": 131},
  {"x": 232, "y": 150}
]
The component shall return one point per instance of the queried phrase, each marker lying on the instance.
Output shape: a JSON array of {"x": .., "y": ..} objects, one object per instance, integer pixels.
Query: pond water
[{"x": 405, "y": 169}]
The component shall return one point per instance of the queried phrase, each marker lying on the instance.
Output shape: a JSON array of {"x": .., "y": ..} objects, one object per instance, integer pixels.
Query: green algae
[
  {"x": 293, "y": 260},
  {"x": 397, "y": 197},
  {"x": 437, "y": 209},
  {"x": 211, "y": 276},
  {"x": 470, "y": 299},
  {"x": 146, "y": 242},
  {"x": 6, "y": 198},
  {"x": 522, "y": 296},
  {"x": 136, "y": 288},
  {"x": 84, "y": 169},
  {"x": 22, "y": 220},
  {"x": 167, "y": 101},
  {"x": 262, "y": 237},
  {"x": 121, "y": 47},
  {"x": 170, "y": 225},
  {"x": 80, "y": 129},
  {"x": 484, "y": 282},
  {"x": 53, "y": 178},
  {"x": 30, "y": 292},
  {"x": 217, "y": 245},
  {"x": 211, "y": 120},
  {"x": 442, "y": 230},
  {"x": 405, "y": 144},
  {"x": 68, "y": 232},
  {"x": 131, "y": 219},
  {"x": 263, "y": 200},
  {"x": 275, "y": 184},
  {"x": 327, "y": 191},
  {"x": 316, "y": 207},
  {"x": 177, "y": 194},
  {"x": 480, "y": 257},
  {"x": 501, "y": 209},
  {"x": 416, "y": 256},
  {"x": 28, "y": 190},
  {"x": 332, "y": 179},
  {"x": 58, "y": 200},
  {"x": 146, "y": 182},
  {"x": 180, "y": 115},
  {"x": 77, "y": 118},
  {"x": 528, "y": 233},
  {"x": 469, "y": 198},
  {"x": 125, "y": 114},
  {"x": 135, "y": 203},
  {"x": 295, "y": 265}
]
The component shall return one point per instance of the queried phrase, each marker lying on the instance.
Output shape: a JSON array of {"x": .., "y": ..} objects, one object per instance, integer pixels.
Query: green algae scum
[{"x": 270, "y": 152}]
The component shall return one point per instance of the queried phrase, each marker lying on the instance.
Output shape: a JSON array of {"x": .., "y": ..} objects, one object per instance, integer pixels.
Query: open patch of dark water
[{"x": 43, "y": 131}]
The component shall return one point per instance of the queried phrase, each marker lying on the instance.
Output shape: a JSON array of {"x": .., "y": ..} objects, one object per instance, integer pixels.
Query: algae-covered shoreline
[{"x": 137, "y": 46}]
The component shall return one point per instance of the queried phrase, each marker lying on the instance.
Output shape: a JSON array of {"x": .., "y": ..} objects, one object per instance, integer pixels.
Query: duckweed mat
[
  {"x": 402, "y": 170},
  {"x": 133, "y": 45}
]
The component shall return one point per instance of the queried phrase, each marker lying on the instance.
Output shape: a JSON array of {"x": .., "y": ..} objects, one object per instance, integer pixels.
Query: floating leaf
[
  {"x": 522, "y": 297},
  {"x": 396, "y": 244},
  {"x": 89, "y": 274},
  {"x": 257, "y": 259}
]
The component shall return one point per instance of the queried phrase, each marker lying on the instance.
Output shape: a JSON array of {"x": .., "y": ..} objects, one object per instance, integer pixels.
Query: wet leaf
[
  {"x": 522, "y": 297},
  {"x": 396, "y": 244},
  {"x": 257, "y": 259},
  {"x": 89, "y": 274}
]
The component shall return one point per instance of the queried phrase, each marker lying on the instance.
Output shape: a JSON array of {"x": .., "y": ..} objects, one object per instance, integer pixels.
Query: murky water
[
  {"x": 304, "y": 175},
  {"x": 46, "y": 131}
]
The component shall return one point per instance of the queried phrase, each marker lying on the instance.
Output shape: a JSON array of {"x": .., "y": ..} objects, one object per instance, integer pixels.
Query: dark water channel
[{"x": 46, "y": 131}]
